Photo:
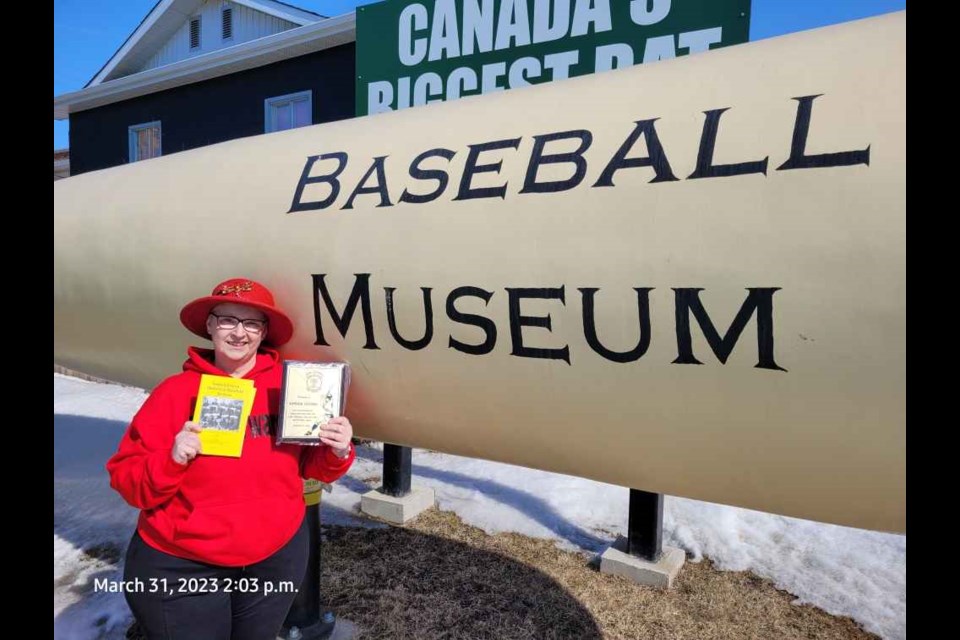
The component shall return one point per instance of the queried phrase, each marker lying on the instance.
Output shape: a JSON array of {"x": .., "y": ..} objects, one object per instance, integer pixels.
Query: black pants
[{"x": 178, "y": 599}]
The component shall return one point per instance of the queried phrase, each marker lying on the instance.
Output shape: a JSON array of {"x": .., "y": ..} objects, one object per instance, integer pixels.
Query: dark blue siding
[{"x": 215, "y": 110}]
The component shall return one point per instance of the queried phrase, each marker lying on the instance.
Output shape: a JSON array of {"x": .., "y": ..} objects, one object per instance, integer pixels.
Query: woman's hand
[
  {"x": 186, "y": 445},
  {"x": 336, "y": 434}
]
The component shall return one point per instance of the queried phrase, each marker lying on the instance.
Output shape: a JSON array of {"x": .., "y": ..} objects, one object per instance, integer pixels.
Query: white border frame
[
  {"x": 132, "y": 138},
  {"x": 269, "y": 103}
]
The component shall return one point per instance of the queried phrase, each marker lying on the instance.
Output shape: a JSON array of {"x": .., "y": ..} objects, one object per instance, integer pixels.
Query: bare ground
[{"x": 439, "y": 578}]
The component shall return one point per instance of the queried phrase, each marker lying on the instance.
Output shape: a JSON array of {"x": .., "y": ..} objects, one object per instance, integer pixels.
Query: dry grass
[{"x": 439, "y": 578}]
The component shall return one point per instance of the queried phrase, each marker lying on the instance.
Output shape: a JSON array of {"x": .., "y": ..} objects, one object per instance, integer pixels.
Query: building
[
  {"x": 61, "y": 163},
  {"x": 199, "y": 72}
]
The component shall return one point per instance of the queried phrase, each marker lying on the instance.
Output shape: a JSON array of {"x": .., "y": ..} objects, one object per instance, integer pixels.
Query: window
[
  {"x": 288, "y": 112},
  {"x": 195, "y": 33},
  {"x": 144, "y": 141},
  {"x": 226, "y": 23}
]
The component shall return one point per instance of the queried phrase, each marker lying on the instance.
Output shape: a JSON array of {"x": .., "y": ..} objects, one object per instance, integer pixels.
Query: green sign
[{"x": 413, "y": 52}]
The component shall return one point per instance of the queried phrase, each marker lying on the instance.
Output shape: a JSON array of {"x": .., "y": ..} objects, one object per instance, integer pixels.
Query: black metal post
[
  {"x": 306, "y": 620},
  {"x": 645, "y": 525},
  {"x": 397, "y": 467}
]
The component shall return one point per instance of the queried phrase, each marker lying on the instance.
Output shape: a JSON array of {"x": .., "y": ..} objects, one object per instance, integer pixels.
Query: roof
[
  {"x": 167, "y": 16},
  {"x": 314, "y": 36}
]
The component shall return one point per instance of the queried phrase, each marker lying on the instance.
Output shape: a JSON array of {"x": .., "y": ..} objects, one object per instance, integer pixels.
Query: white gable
[
  {"x": 164, "y": 36},
  {"x": 247, "y": 24}
]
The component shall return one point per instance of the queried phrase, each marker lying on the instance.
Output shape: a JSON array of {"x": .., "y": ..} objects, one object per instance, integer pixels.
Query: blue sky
[{"x": 87, "y": 32}]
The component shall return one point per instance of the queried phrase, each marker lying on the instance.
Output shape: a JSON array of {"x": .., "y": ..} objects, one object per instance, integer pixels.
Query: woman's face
[{"x": 238, "y": 344}]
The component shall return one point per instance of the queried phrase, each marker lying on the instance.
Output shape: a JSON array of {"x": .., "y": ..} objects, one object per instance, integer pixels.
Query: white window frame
[
  {"x": 132, "y": 131},
  {"x": 272, "y": 103}
]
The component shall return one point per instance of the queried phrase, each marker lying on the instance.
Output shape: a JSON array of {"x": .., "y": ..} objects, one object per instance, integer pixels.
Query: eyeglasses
[{"x": 250, "y": 325}]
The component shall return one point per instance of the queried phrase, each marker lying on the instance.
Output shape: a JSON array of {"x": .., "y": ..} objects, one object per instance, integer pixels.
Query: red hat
[{"x": 239, "y": 291}]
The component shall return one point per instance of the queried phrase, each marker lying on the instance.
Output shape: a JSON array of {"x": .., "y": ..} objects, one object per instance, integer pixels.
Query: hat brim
[{"x": 194, "y": 317}]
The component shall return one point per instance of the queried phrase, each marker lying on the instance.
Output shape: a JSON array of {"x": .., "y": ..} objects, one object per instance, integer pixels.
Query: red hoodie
[{"x": 225, "y": 511}]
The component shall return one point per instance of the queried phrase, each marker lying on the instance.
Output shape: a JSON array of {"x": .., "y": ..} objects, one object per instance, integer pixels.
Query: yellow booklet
[{"x": 223, "y": 406}]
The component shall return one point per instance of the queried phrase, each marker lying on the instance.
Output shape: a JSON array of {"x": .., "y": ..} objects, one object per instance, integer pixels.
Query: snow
[{"x": 844, "y": 571}]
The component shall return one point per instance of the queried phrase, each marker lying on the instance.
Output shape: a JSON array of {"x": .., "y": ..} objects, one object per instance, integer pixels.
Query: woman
[{"x": 219, "y": 539}]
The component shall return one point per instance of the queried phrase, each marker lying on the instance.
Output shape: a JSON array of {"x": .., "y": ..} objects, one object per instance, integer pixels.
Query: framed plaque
[{"x": 311, "y": 393}]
